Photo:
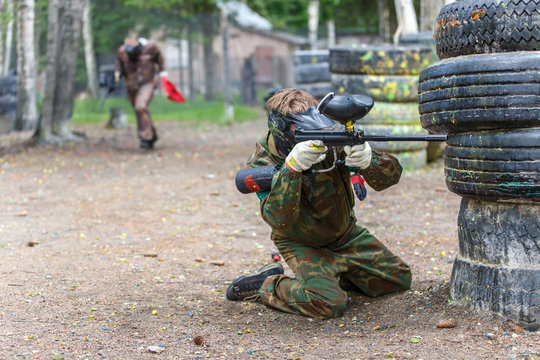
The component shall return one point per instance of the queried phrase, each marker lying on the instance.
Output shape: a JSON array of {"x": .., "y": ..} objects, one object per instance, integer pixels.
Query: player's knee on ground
[{"x": 330, "y": 310}]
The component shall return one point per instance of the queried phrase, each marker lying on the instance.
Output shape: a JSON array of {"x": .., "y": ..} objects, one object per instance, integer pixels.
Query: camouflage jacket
[
  {"x": 329, "y": 215},
  {"x": 137, "y": 73}
]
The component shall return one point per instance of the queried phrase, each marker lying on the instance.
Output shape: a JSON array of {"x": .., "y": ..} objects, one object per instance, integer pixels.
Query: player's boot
[{"x": 247, "y": 287}]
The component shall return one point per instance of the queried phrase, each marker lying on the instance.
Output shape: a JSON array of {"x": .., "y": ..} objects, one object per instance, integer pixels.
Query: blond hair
[{"x": 290, "y": 101}]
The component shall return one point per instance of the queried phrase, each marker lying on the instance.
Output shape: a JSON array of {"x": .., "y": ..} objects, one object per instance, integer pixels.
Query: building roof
[{"x": 244, "y": 16}]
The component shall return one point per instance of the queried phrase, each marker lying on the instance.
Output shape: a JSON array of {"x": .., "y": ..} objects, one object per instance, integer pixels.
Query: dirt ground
[{"x": 110, "y": 252}]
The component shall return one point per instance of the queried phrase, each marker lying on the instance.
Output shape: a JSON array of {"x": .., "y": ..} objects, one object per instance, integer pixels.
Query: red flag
[{"x": 172, "y": 93}]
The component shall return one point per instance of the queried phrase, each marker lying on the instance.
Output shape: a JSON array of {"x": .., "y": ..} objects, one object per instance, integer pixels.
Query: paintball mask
[
  {"x": 280, "y": 126},
  {"x": 134, "y": 50}
]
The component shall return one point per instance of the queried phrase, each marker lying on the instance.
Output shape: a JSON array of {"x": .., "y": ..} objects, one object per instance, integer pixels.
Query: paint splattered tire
[
  {"x": 412, "y": 160},
  {"x": 391, "y": 88},
  {"x": 487, "y": 26},
  {"x": 318, "y": 90},
  {"x": 395, "y": 146},
  {"x": 393, "y": 114},
  {"x": 498, "y": 165},
  {"x": 380, "y": 59},
  {"x": 497, "y": 265},
  {"x": 310, "y": 57},
  {"x": 481, "y": 92},
  {"x": 312, "y": 73}
]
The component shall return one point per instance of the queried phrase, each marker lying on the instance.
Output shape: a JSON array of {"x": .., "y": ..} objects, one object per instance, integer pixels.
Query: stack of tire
[
  {"x": 485, "y": 94},
  {"x": 8, "y": 102},
  {"x": 389, "y": 75},
  {"x": 312, "y": 73}
]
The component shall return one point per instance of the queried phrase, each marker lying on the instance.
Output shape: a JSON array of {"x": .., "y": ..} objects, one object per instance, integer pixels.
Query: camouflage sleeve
[
  {"x": 383, "y": 172},
  {"x": 281, "y": 206}
]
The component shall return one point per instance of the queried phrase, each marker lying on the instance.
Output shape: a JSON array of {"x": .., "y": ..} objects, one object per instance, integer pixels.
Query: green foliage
[{"x": 87, "y": 111}]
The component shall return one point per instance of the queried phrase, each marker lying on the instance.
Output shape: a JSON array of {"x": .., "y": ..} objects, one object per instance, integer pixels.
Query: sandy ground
[{"x": 110, "y": 252}]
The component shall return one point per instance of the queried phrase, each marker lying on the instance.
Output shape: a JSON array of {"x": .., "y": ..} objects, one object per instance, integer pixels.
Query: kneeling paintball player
[{"x": 312, "y": 218}]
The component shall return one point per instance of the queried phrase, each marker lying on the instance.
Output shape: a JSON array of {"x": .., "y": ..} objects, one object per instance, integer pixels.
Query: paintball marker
[{"x": 343, "y": 109}]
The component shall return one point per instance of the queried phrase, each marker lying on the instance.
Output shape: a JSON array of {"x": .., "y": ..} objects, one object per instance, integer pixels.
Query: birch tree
[
  {"x": 429, "y": 10},
  {"x": 3, "y": 15},
  {"x": 9, "y": 16},
  {"x": 27, "y": 115},
  {"x": 406, "y": 16},
  {"x": 313, "y": 22},
  {"x": 64, "y": 28},
  {"x": 89, "y": 53}
]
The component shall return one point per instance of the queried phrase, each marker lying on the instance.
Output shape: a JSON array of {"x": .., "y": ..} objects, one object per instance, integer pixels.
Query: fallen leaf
[{"x": 217, "y": 262}]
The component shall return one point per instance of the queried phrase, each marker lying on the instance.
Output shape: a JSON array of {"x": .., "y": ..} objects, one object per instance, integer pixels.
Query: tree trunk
[
  {"x": 384, "y": 21},
  {"x": 207, "y": 24},
  {"x": 429, "y": 10},
  {"x": 44, "y": 131},
  {"x": 89, "y": 53},
  {"x": 191, "y": 59},
  {"x": 2, "y": 32},
  {"x": 229, "y": 110},
  {"x": 4, "y": 67},
  {"x": 64, "y": 27},
  {"x": 70, "y": 25},
  {"x": 407, "y": 22},
  {"x": 331, "y": 27},
  {"x": 26, "y": 68},
  {"x": 313, "y": 22}
]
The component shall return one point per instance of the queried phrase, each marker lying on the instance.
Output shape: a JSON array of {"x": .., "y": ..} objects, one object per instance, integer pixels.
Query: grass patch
[{"x": 87, "y": 111}]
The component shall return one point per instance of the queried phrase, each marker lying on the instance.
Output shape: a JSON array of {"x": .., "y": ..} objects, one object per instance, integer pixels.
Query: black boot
[
  {"x": 146, "y": 144},
  {"x": 247, "y": 287}
]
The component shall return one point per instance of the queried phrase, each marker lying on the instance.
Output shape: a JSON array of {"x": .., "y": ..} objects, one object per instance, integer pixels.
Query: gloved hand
[
  {"x": 163, "y": 74},
  {"x": 306, "y": 154},
  {"x": 358, "y": 156}
]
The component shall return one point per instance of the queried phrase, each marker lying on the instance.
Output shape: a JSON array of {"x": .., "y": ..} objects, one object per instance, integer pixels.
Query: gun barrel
[
  {"x": 342, "y": 138},
  {"x": 405, "y": 137}
]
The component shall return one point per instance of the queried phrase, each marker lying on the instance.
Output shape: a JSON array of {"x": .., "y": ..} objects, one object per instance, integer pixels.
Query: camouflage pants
[
  {"x": 361, "y": 262},
  {"x": 140, "y": 98}
]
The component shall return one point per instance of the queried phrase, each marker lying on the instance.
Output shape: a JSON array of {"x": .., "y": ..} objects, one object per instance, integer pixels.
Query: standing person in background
[{"x": 140, "y": 62}]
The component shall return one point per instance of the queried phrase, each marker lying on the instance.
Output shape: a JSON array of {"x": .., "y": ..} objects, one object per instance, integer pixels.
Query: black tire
[
  {"x": 393, "y": 114},
  {"x": 487, "y": 26},
  {"x": 481, "y": 92},
  {"x": 302, "y": 57},
  {"x": 380, "y": 59},
  {"x": 495, "y": 165},
  {"x": 507, "y": 291},
  {"x": 512, "y": 240},
  {"x": 391, "y": 88},
  {"x": 312, "y": 73},
  {"x": 317, "y": 90},
  {"x": 395, "y": 146}
]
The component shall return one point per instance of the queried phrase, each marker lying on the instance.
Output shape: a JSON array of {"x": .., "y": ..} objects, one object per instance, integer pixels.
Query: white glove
[
  {"x": 358, "y": 156},
  {"x": 163, "y": 74},
  {"x": 306, "y": 154}
]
